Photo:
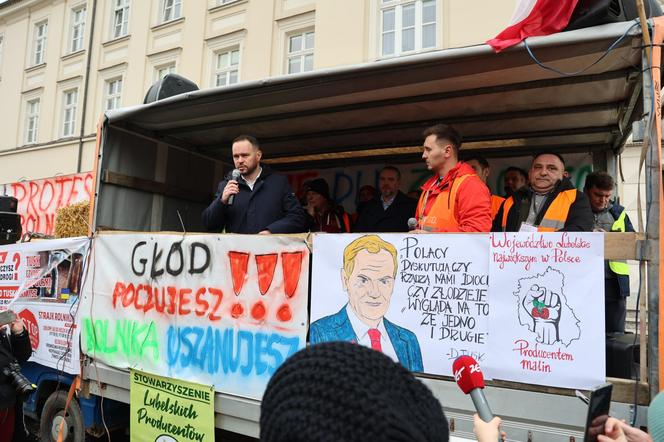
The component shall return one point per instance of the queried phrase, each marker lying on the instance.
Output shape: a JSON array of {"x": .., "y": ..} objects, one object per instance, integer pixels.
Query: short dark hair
[
  {"x": 254, "y": 142},
  {"x": 395, "y": 169},
  {"x": 480, "y": 159},
  {"x": 445, "y": 132},
  {"x": 600, "y": 180},
  {"x": 518, "y": 170},
  {"x": 549, "y": 152}
]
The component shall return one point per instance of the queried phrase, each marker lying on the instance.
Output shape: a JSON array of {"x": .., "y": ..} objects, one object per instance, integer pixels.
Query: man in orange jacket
[
  {"x": 481, "y": 167},
  {"x": 455, "y": 199}
]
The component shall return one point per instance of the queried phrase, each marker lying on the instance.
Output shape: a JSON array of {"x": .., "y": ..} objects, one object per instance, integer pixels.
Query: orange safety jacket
[
  {"x": 346, "y": 220},
  {"x": 496, "y": 201},
  {"x": 555, "y": 216},
  {"x": 440, "y": 216}
]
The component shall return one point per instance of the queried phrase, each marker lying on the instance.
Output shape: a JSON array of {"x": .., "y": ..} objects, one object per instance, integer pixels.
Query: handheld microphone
[
  {"x": 469, "y": 378},
  {"x": 412, "y": 224},
  {"x": 235, "y": 175}
]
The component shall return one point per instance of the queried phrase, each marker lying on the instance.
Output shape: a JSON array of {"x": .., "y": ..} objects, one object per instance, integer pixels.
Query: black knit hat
[
  {"x": 319, "y": 185},
  {"x": 339, "y": 391}
]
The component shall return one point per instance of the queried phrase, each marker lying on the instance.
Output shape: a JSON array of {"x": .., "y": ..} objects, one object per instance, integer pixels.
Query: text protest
[
  {"x": 431, "y": 290},
  {"x": 161, "y": 407},
  {"x": 220, "y": 310},
  {"x": 39, "y": 200},
  {"x": 547, "y": 308},
  {"x": 47, "y": 277},
  {"x": 524, "y": 305}
]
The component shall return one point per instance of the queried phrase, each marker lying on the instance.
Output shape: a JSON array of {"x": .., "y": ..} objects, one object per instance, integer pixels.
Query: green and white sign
[{"x": 170, "y": 410}]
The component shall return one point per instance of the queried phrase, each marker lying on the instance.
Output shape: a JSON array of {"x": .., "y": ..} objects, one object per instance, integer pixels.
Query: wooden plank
[
  {"x": 621, "y": 245},
  {"x": 623, "y": 389},
  {"x": 150, "y": 186}
]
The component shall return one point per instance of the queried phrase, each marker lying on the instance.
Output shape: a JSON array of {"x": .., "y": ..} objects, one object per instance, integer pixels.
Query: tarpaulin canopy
[{"x": 500, "y": 101}]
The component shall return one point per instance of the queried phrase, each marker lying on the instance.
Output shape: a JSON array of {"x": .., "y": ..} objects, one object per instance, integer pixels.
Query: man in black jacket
[
  {"x": 14, "y": 347},
  {"x": 262, "y": 201},
  {"x": 549, "y": 204},
  {"x": 389, "y": 212}
]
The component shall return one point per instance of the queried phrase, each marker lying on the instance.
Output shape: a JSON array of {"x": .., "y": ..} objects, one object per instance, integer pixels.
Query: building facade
[{"x": 64, "y": 62}]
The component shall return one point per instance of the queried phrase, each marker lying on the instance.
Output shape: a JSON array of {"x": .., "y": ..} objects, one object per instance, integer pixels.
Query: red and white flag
[{"x": 533, "y": 18}]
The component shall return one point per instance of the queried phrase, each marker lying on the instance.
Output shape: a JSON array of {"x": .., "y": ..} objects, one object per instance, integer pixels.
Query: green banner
[{"x": 170, "y": 410}]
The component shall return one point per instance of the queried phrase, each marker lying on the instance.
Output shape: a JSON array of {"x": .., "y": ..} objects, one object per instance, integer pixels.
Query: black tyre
[{"x": 52, "y": 415}]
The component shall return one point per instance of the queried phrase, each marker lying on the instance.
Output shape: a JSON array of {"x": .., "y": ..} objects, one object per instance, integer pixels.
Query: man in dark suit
[
  {"x": 390, "y": 211},
  {"x": 262, "y": 201},
  {"x": 370, "y": 266}
]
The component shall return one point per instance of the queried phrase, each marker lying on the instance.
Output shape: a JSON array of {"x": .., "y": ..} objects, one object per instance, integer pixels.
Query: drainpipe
[{"x": 86, "y": 86}]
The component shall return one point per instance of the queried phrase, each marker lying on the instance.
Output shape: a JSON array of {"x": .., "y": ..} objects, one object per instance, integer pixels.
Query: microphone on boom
[
  {"x": 235, "y": 175},
  {"x": 412, "y": 224}
]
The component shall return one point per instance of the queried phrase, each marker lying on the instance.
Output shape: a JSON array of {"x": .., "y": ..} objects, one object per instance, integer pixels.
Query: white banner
[
  {"x": 54, "y": 333},
  {"x": 424, "y": 300},
  {"x": 427, "y": 295},
  {"x": 41, "y": 281},
  {"x": 547, "y": 311},
  {"x": 222, "y": 310}
]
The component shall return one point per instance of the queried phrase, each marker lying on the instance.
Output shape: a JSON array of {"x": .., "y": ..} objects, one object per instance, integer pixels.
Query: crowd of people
[{"x": 256, "y": 200}]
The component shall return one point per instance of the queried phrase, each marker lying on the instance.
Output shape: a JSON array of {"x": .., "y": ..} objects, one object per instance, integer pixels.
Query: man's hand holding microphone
[{"x": 232, "y": 188}]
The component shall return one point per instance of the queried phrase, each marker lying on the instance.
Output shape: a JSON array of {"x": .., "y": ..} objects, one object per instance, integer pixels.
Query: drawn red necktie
[{"x": 374, "y": 335}]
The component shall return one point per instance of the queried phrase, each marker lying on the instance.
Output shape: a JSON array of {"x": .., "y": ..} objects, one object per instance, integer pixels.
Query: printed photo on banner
[
  {"x": 548, "y": 318},
  {"x": 41, "y": 281},
  {"x": 420, "y": 299},
  {"x": 169, "y": 410},
  {"x": 221, "y": 310}
]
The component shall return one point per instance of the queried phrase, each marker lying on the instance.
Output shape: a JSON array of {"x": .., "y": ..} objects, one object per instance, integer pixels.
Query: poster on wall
[
  {"x": 41, "y": 282},
  {"x": 421, "y": 299},
  {"x": 548, "y": 308},
  {"x": 221, "y": 310},
  {"x": 169, "y": 410}
]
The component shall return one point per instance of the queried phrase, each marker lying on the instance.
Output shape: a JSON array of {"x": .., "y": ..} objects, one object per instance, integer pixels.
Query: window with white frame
[
  {"x": 120, "y": 18},
  {"x": 31, "y": 121},
  {"x": 300, "y": 57},
  {"x": 407, "y": 26},
  {"x": 171, "y": 10},
  {"x": 163, "y": 70},
  {"x": 113, "y": 94},
  {"x": 225, "y": 2},
  {"x": 69, "y": 102},
  {"x": 2, "y": 47},
  {"x": 227, "y": 64},
  {"x": 39, "y": 54},
  {"x": 77, "y": 29}
]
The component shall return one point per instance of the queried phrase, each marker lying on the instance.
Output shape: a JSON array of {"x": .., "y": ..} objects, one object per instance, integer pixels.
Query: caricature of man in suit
[{"x": 369, "y": 269}]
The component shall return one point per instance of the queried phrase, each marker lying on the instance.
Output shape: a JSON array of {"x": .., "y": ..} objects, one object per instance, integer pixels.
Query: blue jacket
[
  {"x": 272, "y": 205},
  {"x": 337, "y": 327}
]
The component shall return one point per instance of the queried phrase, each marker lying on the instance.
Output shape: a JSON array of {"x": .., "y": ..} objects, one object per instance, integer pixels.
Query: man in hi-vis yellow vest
[
  {"x": 549, "y": 204},
  {"x": 610, "y": 217}
]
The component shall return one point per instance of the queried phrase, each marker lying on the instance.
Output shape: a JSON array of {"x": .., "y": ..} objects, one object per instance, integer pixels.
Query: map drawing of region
[{"x": 543, "y": 308}]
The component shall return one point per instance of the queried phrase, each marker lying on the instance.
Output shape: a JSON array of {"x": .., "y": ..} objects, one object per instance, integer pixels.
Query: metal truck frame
[{"x": 578, "y": 91}]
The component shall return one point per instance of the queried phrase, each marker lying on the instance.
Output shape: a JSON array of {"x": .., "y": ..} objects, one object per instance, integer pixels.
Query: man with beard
[
  {"x": 549, "y": 204},
  {"x": 260, "y": 201}
]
